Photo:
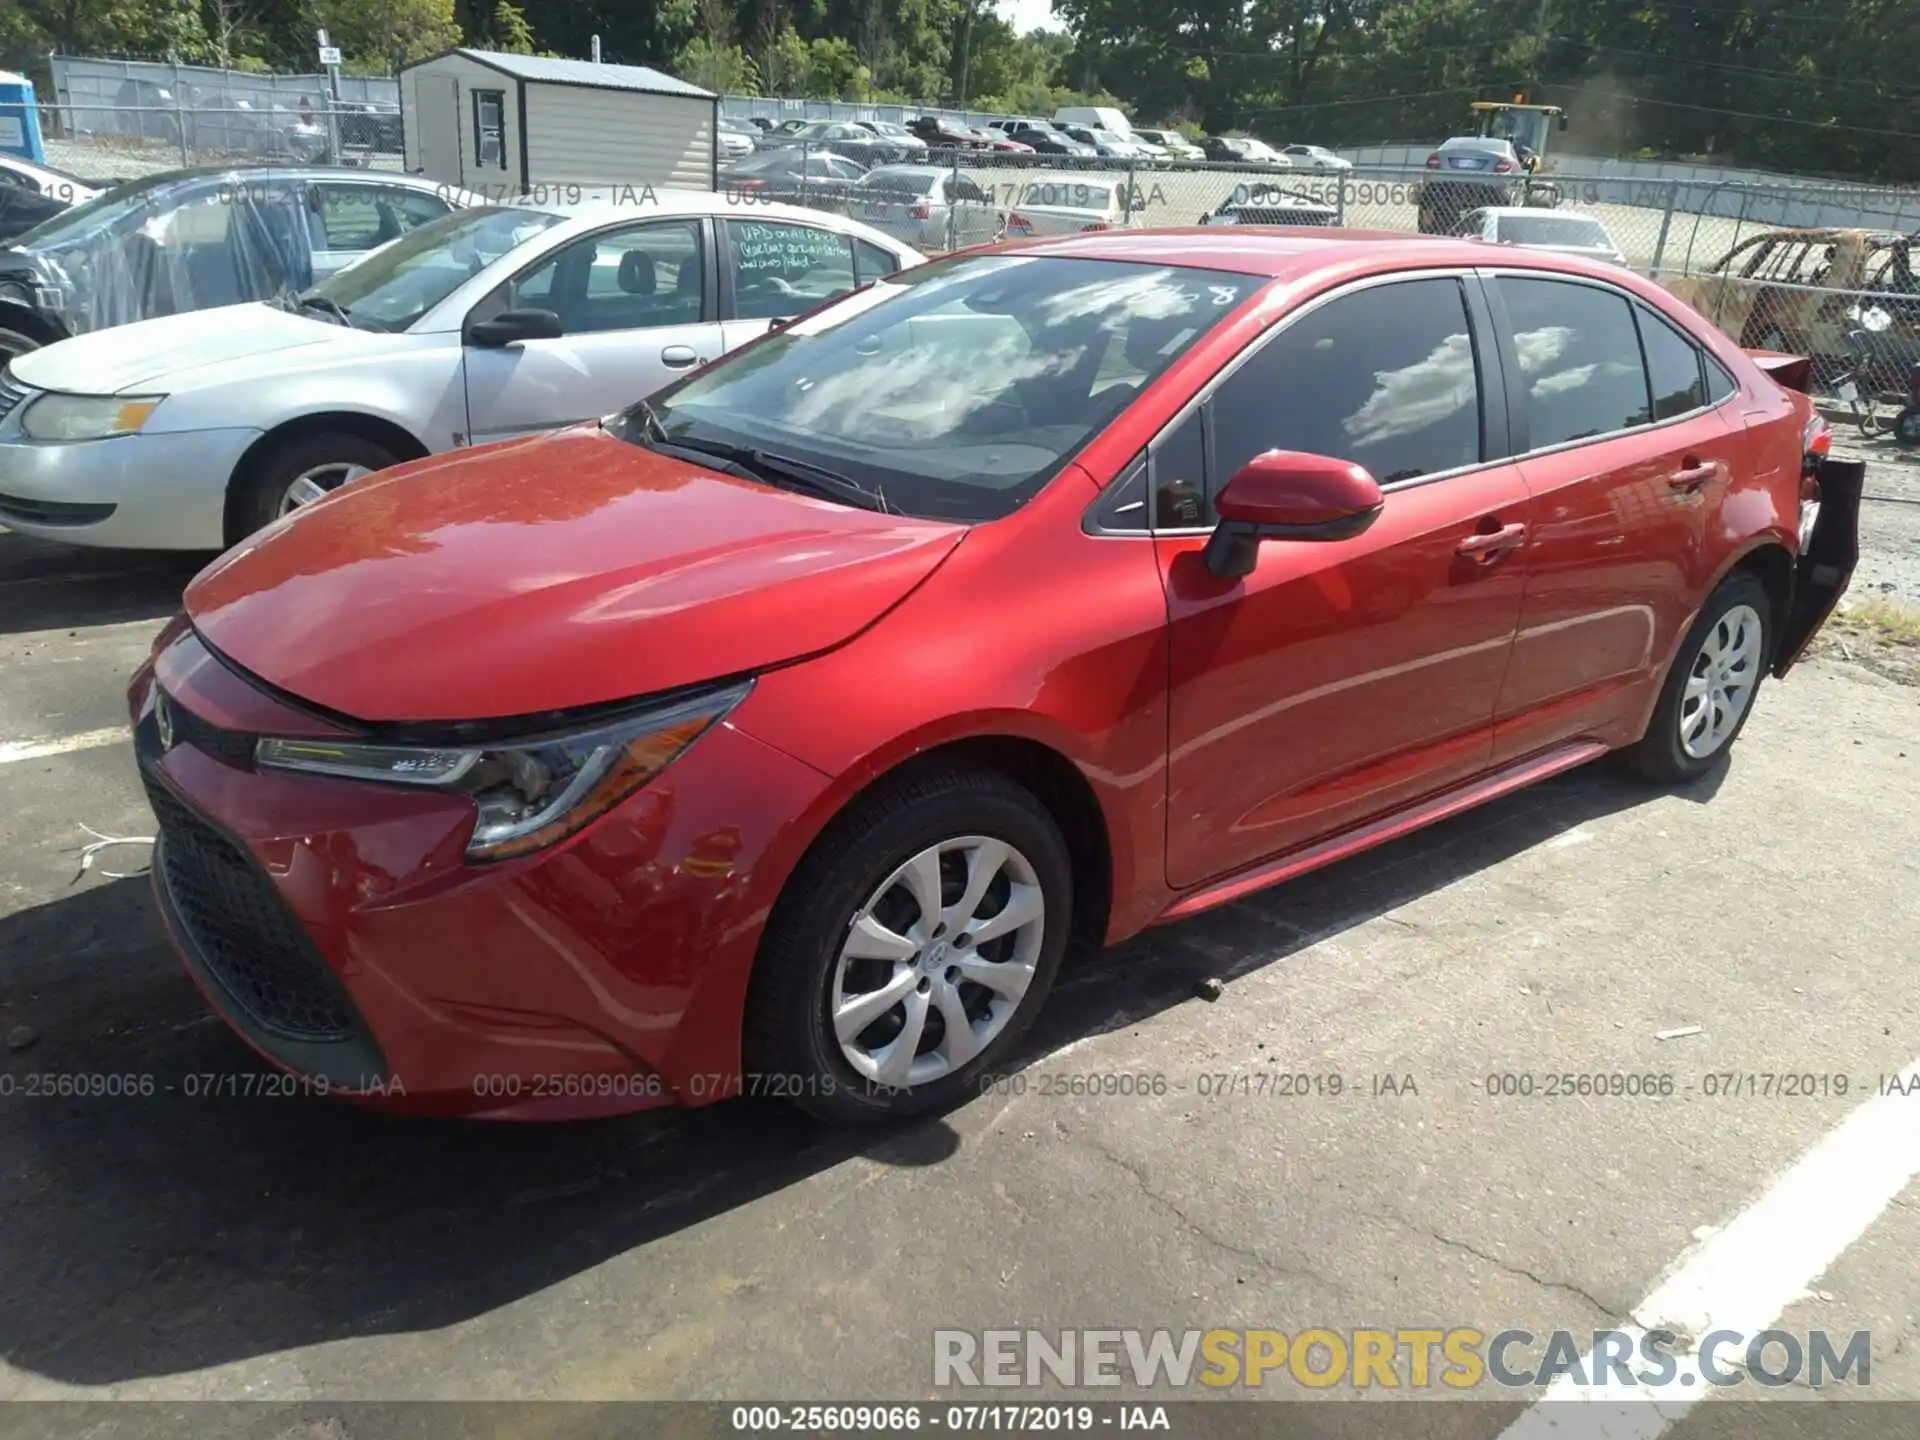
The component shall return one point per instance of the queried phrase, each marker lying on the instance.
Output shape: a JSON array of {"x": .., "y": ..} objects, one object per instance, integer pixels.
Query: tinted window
[
  {"x": 1719, "y": 383},
  {"x": 1579, "y": 359},
  {"x": 1673, "y": 366},
  {"x": 1179, "y": 463},
  {"x": 1385, "y": 377}
]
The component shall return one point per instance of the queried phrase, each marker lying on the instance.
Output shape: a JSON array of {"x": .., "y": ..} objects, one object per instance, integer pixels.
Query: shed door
[{"x": 437, "y": 104}]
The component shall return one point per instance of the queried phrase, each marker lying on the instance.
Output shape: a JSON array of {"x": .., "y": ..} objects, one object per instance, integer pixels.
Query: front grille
[
  {"x": 12, "y": 392},
  {"x": 229, "y": 747},
  {"x": 242, "y": 932},
  {"x": 51, "y": 512}
]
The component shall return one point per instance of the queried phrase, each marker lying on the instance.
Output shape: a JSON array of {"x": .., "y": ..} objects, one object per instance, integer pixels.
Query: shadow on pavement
[
  {"x": 47, "y": 586},
  {"x": 151, "y": 1236}
]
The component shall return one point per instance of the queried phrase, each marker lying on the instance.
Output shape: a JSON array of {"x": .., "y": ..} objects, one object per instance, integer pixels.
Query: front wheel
[
  {"x": 911, "y": 950},
  {"x": 13, "y": 343},
  {"x": 1709, "y": 692},
  {"x": 300, "y": 471}
]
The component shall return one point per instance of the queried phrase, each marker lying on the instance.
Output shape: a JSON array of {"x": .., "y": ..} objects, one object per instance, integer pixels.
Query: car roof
[
  {"x": 1475, "y": 142},
  {"x": 588, "y": 214},
  {"x": 1283, "y": 254},
  {"x": 934, "y": 171}
]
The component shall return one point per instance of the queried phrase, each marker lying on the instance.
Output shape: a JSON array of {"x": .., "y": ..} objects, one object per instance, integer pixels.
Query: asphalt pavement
[{"x": 176, "y": 1245}]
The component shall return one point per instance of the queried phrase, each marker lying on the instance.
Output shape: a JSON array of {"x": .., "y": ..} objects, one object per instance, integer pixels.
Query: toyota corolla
[{"x": 783, "y": 732}]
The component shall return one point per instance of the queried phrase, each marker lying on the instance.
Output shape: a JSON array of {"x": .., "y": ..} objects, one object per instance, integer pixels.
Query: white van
[{"x": 1094, "y": 117}]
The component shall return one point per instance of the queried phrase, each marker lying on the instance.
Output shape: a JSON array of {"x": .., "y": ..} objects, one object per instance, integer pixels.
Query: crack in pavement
[
  {"x": 1204, "y": 1232},
  {"x": 1612, "y": 1313}
]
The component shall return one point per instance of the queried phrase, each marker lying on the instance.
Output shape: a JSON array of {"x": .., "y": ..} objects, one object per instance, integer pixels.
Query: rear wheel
[
  {"x": 298, "y": 472},
  {"x": 1709, "y": 692},
  {"x": 912, "y": 949},
  {"x": 1906, "y": 427}
]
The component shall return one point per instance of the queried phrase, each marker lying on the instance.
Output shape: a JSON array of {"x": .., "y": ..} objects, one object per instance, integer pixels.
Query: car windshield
[
  {"x": 955, "y": 390},
  {"x": 1552, "y": 230},
  {"x": 395, "y": 285}
]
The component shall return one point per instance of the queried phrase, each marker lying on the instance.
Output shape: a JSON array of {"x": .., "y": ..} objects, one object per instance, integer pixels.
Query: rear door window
[
  {"x": 1673, "y": 367},
  {"x": 1579, "y": 358},
  {"x": 780, "y": 269}
]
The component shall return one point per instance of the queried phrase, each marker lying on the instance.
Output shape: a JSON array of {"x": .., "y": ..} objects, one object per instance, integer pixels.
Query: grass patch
[{"x": 1880, "y": 617}]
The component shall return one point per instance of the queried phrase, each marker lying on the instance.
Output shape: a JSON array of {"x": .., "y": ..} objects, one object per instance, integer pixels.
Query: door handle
[
  {"x": 1489, "y": 547},
  {"x": 678, "y": 356},
  {"x": 1692, "y": 475}
]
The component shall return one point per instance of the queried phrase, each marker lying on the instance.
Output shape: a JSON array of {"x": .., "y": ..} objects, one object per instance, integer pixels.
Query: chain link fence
[{"x": 124, "y": 142}]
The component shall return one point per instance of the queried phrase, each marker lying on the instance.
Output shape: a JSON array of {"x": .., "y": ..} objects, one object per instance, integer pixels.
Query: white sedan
[
  {"x": 1563, "y": 232},
  {"x": 192, "y": 431}
]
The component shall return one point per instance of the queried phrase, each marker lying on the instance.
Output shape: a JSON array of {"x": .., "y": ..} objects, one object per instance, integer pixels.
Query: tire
[
  {"x": 262, "y": 495},
  {"x": 1906, "y": 427},
  {"x": 850, "y": 875},
  {"x": 1676, "y": 750},
  {"x": 13, "y": 342}
]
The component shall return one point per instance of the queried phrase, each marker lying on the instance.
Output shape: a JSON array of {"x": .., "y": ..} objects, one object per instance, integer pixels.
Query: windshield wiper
[
  {"x": 651, "y": 419},
  {"x": 771, "y": 468},
  {"x": 311, "y": 301}
]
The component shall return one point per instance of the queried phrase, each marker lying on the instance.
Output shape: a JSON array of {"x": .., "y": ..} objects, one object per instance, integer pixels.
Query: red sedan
[{"x": 780, "y": 734}]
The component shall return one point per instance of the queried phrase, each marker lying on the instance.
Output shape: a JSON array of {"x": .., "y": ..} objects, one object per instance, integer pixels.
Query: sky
[{"x": 1025, "y": 15}]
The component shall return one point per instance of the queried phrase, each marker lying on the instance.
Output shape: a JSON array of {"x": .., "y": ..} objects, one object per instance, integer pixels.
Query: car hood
[
  {"x": 564, "y": 571},
  {"x": 131, "y": 357}
]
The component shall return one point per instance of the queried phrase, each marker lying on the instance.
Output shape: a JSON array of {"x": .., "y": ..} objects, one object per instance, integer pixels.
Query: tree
[{"x": 389, "y": 33}]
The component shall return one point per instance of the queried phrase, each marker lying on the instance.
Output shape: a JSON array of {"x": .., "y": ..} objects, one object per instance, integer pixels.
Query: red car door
[
  {"x": 1341, "y": 678},
  {"x": 1626, "y": 460}
]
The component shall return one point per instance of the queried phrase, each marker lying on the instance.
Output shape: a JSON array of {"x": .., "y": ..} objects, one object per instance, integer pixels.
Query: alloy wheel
[
  {"x": 1720, "y": 682},
  {"x": 936, "y": 962},
  {"x": 320, "y": 481}
]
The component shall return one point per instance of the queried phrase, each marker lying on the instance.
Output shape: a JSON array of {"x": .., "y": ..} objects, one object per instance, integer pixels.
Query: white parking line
[
  {"x": 12, "y": 750},
  {"x": 1743, "y": 1275}
]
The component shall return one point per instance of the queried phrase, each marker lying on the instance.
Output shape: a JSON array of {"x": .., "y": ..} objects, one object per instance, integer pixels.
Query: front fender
[{"x": 417, "y": 390}]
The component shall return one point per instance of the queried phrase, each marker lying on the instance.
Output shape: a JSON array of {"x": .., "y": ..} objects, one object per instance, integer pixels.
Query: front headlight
[
  {"x": 87, "y": 417},
  {"x": 530, "y": 793}
]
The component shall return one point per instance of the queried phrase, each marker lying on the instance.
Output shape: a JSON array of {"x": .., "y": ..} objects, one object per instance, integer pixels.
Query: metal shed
[{"x": 503, "y": 124}]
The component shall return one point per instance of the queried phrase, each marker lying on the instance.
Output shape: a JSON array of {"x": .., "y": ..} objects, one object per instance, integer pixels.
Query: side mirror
[
  {"x": 510, "y": 327},
  {"x": 1565, "y": 121},
  {"x": 1289, "y": 495}
]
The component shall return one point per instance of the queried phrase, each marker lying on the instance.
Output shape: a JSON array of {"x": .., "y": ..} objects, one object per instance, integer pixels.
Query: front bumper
[
  {"x": 146, "y": 491},
  {"x": 336, "y": 926}
]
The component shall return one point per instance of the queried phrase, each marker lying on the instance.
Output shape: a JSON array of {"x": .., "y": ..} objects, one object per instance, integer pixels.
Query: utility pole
[
  {"x": 1539, "y": 52},
  {"x": 966, "y": 52}
]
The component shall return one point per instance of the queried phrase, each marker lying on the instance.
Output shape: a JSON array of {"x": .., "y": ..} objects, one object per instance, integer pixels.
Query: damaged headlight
[
  {"x": 531, "y": 793},
  {"x": 87, "y": 417}
]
